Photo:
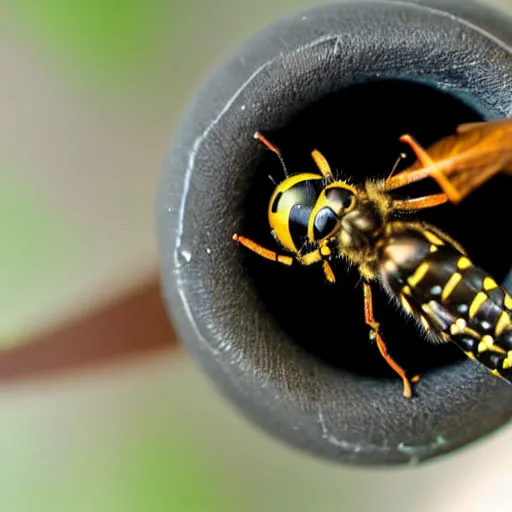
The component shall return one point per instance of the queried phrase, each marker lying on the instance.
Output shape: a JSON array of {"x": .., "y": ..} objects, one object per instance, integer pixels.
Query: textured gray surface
[{"x": 281, "y": 387}]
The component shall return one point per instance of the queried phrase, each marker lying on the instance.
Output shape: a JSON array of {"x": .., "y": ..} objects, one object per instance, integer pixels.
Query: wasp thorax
[{"x": 360, "y": 226}]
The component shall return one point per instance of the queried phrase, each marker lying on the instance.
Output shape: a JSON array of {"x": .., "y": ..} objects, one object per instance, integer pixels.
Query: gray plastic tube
[{"x": 291, "y": 352}]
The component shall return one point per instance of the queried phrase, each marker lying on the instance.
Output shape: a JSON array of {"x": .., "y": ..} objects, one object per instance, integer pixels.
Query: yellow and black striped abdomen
[{"x": 450, "y": 296}]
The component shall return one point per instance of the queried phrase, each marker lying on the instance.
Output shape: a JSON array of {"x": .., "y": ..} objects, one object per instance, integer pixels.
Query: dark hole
[{"x": 357, "y": 130}]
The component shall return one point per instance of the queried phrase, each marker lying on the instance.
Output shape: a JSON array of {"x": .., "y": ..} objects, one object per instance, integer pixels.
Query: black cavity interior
[{"x": 357, "y": 130}]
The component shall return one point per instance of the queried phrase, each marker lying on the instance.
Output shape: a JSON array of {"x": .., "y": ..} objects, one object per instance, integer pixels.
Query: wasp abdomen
[{"x": 452, "y": 298}]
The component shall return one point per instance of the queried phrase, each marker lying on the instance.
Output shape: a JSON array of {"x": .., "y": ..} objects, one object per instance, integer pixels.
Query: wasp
[{"x": 317, "y": 217}]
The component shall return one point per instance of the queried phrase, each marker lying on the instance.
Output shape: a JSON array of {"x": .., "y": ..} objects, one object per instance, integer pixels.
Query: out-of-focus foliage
[
  {"x": 32, "y": 236},
  {"x": 99, "y": 36}
]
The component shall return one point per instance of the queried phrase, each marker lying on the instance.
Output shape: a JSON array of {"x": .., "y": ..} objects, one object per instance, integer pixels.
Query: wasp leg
[
  {"x": 322, "y": 163},
  {"x": 427, "y": 161},
  {"x": 325, "y": 251},
  {"x": 329, "y": 274},
  {"x": 430, "y": 170},
  {"x": 420, "y": 152},
  {"x": 407, "y": 177},
  {"x": 419, "y": 203},
  {"x": 318, "y": 255},
  {"x": 261, "y": 251},
  {"x": 370, "y": 321}
]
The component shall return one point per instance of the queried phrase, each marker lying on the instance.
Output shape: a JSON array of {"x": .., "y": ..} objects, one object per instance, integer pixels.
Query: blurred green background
[{"x": 89, "y": 95}]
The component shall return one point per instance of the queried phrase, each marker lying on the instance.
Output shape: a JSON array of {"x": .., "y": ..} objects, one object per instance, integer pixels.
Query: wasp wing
[{"x": 464, "y": 161}]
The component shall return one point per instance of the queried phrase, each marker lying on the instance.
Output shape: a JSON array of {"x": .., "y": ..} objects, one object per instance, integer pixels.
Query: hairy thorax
[{"x": 362, "y": 227}]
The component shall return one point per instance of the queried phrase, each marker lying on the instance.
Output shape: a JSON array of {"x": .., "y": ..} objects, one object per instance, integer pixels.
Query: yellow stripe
[
  {"x": 458, "y": 326},
  {"x": 479, "y": 299},
  {"x": 425, "y": 323},
  {"x": 450, "y": 285},
  {"x": 463, "y": 263},
  {"x": 461, "y": 323},
  {"x": 487, "y": 340},
  {"x": 405, "y": 304},
  {"x": 471, "y": 332},
  {"x": 470, "y": 355},
  {"x": 497, "y": 350},
  {"x": 420, "y": 273},
  {"x": 508, "y": 361},
  {"x": 496, "y": 372},
  {"x": 406, "y": 290},
  {"x": 508, "y": 301},
  {"x": 489, "y": 284},
  {"x": 434, "y": 239},
  {"x": 503, "y": 321},
  {"x": 486, "y": 343}
]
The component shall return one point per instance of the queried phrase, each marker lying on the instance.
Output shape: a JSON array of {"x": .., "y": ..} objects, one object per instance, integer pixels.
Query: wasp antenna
[
  {"x": 283, "y": 165},
  {"x": 274, "y": 149},
  {"x": 272, "y": 179}
]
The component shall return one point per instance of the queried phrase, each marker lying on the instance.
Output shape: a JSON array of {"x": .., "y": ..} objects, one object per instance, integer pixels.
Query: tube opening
[{"x": 357, "y": 130}]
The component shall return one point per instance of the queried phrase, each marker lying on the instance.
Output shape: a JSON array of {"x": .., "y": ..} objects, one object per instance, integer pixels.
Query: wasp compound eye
[
  {"x": 280, "y": 329},
  {"x": 325, "y": 222}
]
